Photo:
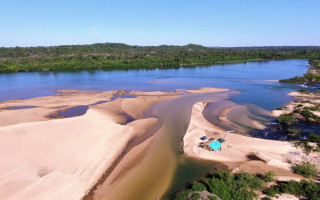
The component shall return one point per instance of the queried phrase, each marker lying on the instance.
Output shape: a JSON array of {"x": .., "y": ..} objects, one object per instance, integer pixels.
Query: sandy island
[
  {"x": 69, "y": 158},
  {"x": 242, "y": 153},
  {"x": 44, "y": 158}
]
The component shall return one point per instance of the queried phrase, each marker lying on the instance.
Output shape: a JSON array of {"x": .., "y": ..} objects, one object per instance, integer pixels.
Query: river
[{"x": 163, "y": 167}]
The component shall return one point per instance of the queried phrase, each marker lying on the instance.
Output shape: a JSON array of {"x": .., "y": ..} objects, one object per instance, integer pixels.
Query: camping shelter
[{"x": 215, "y": 145}]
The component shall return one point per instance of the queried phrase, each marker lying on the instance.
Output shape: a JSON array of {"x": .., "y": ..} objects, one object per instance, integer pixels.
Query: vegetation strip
[
  {"x": 244, "y": 186},
  {"x": 110, "y": 56}
]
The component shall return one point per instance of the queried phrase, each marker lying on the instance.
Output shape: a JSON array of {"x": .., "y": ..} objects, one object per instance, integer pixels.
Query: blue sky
[{"x": 156, "y": 22}]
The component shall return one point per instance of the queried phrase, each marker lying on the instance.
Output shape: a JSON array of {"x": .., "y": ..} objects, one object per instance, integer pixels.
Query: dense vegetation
[
  {"x": 227, "y": 186},
  {"x": 307, "y": 78},
  {"x": 121, "y": 56},
  {"x": 308, "y": 189},
  {"x": 313, "y": 75},
  {"x": 245, "y": 186}
]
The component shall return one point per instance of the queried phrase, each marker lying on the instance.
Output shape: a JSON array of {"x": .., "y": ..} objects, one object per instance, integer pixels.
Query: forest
[{"x": 110, "y": 56}]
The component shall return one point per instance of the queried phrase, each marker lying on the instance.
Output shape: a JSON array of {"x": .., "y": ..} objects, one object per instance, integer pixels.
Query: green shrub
[
  {"x": 266, "y": 198},
  {"x": 272, "y": 191},
  {"x": 293, "y": 131},
  {"x": 305, "y": 169},
  {"x": 249, "y": 181},
  {"x": 308, "y": 115},
  {"x": 212, "y": 198},
  {"x": 314, "y": 138},
  {"x": 308, "y": 148},
  {"x": 195, "y": 196},
  {"x": 308, "y": 189},
  {"x": 286, "y": 119},
  {"x": 302, "y": 90},
  {"x": 244, "y": 186},
  {"x": 197, "y": 186},
  {"x": 220, "y": 188},
  {"x": 269, "y": 176},
  {"x": 183, "y": 195},
  {"x": 314, "y": 108},
  {"x": 291, "y": 187}
]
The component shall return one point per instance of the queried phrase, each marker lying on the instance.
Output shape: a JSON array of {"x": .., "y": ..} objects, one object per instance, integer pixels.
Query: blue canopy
[{"x": 215, "y": 145}]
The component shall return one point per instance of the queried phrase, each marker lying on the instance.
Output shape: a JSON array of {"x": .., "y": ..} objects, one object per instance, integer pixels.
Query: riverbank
[
  {"x": 302, "y": 100},
  {"x": 43, "y": 158},
  {"x": 116, "y": 56},
  {"x": 78, "y": 156},
  {"x": 116, "y": 143},
  {"x": 242, "y": 153}
]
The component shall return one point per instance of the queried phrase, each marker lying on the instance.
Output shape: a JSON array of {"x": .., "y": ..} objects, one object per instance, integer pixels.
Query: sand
[
  {"x": 61, "y": 159},
  {"x": 72, "y": 158},
  {"x": 45, "y": 158},
  {"x": 207, "y": 90},
  {"x": 300, "y": 98},
  {"x": 240, "y": 153},
  {"x": 50, "y": 105}
]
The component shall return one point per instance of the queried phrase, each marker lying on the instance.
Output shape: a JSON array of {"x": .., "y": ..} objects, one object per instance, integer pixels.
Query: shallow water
[
  {"x": 163, "y": 167},
  {"x": 20, "y": 107},
  {"x": 71, "y": 112},
  {"x": 163, "y": 164}
]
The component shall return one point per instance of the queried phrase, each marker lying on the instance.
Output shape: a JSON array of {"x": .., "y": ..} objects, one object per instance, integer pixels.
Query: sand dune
[
  {"x": 65, "y": 158},
  {"x": 61, "y": 159}
]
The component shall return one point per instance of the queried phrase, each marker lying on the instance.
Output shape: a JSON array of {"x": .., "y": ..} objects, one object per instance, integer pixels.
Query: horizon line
[{"x": 209, "y": 46}]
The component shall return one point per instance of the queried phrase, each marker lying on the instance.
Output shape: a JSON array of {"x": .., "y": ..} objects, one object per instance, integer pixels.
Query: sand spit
[
  {"x": 153, "y": 93},
  {"x": 272, "y": 80},
  {"x": 240, "y": 153},
  {"x": 69, "y": 158},
  {"x": 65, "y": 158},
  {"x": 207, "y": 90},
  {"x": 45, "y": 106}
]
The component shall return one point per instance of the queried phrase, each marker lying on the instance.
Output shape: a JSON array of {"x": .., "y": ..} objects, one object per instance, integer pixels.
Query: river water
[
  {"x": 163, "y": 167},
  {"x": 248, "y": 78}
]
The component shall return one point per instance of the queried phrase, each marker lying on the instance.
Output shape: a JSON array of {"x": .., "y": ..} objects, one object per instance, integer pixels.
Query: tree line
[{"x": 121, "y": 56}]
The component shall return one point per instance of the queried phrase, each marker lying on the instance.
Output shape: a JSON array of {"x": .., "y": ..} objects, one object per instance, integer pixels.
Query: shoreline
[
  {"x": 299, "y": 98},
  {"x": 145, "y": 66},
  {"x": 239, "y": 152},
  {"x": 87, "y": 156},
  {"x": 59, "y": 140},
  {"x": 45, "y": 158}
]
